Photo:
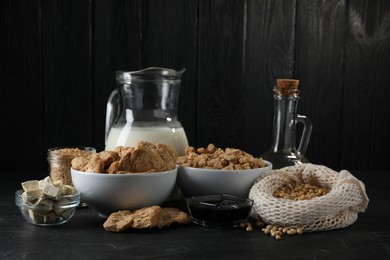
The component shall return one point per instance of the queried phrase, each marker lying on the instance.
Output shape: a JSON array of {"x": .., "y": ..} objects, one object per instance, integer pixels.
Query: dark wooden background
[{"x": 58, "y": 59}]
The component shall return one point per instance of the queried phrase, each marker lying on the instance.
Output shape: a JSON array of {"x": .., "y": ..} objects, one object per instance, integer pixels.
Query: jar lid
[{"x": 287, "y": 87}]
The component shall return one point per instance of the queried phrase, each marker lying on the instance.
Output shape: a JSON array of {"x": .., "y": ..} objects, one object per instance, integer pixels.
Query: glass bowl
[
  {"x": 219, "y": 210},
  {"x": 46, "y": 211}
]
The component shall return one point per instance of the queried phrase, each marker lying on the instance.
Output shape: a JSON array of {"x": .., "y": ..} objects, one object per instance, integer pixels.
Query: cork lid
[{"x": 286, "y": 87}]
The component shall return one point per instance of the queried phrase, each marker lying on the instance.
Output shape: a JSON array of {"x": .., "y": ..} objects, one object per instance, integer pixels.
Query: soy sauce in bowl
[{"x": 219, "y": 210}]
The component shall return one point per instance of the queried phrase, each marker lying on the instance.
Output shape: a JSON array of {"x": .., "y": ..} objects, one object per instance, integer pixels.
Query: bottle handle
[
  {"x": 307, "y": 127},
  {"x": 112, "y": 111}
]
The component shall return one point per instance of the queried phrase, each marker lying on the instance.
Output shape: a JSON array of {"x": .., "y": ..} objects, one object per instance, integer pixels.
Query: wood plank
[
  {"x": 21, "y": 86},
  {"x": 366, "y": 97},
  {"x": 170, "y": 40},
  {"x": 68, "y": 99},
  {"x": 319, "y": 67},
  {"x": 269, "y": 54},
  {"x": 59, "y": 58},
  {"x": 117, "y": 42},
  {"x": 220, "y": 78}
]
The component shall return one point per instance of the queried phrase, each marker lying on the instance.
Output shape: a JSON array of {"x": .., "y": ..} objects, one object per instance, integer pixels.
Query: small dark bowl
[{"x": 219, "y": 210}]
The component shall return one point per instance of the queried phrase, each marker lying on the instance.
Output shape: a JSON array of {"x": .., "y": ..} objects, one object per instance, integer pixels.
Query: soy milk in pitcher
[
  {"x": 130, "y": 136},
  {"x": 144, "y": 108}
]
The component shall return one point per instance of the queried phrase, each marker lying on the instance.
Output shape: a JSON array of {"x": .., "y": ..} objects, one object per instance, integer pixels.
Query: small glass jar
[{"x": 60, "y": 161}]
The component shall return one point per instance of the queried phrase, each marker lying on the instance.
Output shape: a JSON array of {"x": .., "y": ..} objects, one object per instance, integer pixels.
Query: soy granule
[
  {"x": 60, "y": 159},
  {"x": 213, "y": 157}
]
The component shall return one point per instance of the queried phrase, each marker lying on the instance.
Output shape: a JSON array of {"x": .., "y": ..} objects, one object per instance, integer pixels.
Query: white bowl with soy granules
[
  {"x": 212, "y": 170},
  {"x": 45, "y": 203}
]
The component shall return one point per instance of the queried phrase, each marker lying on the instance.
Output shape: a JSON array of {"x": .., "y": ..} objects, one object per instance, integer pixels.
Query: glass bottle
[{"x": 283, "y": 150}]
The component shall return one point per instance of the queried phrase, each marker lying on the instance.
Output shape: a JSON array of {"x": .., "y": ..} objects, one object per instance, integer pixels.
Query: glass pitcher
[
  {"x": 283, "y": 151},
  {"x": 144, "y": 108}
]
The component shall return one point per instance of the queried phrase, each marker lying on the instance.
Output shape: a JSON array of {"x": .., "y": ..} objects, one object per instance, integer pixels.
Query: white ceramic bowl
[
  {"x": 200, "y": 181},
  {"x": 107, "y": 193}
]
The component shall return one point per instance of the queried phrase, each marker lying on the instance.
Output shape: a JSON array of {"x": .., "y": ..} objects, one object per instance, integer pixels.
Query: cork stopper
[{"x": 287, "y": 87}]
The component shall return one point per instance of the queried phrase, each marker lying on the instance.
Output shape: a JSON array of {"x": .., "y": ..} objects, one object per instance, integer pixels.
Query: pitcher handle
[
  {"x": 307, "y": 127},
  {"x": 112, "y": 111}
]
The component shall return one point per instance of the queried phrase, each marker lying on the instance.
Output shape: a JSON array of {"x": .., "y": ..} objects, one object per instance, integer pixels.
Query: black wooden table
[{"x": 84, "y": 237}]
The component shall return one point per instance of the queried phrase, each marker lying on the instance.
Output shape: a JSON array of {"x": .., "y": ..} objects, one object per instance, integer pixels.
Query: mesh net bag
[{"x": 337, "y": 209}]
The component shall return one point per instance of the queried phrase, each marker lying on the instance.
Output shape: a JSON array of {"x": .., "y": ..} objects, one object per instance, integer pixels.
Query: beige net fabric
[{"x": 337, "y": 209}]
